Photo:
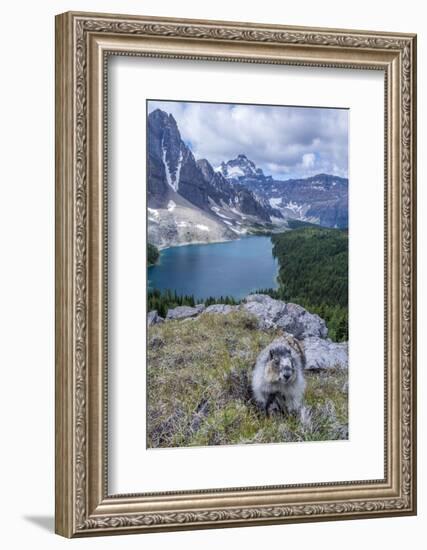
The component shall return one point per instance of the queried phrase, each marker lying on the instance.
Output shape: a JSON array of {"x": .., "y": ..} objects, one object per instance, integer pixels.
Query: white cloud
[
  {"x": 308, "y": 160},
  {"x": 283, "y": 141}
]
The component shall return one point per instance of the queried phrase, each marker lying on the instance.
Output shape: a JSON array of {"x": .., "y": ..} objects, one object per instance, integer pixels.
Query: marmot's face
[{"x": 283, "y": 365}]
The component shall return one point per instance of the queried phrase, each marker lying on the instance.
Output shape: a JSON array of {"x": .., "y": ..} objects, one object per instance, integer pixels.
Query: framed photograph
[{"x": 235, "y": 274}]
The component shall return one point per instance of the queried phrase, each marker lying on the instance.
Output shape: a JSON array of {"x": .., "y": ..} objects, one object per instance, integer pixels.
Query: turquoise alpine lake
[{"x": 232, "y": 268}]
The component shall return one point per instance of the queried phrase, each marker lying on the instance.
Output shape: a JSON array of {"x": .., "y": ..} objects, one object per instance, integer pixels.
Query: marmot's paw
[
  {"x": 294, "y": 410},
  {"x": 274, "y": 409}
]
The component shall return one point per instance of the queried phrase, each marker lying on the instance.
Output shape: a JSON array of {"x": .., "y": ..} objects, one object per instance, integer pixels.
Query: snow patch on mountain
[
  {"x": 172, "y": 178},
  {"x": 235, "y": 211},
  {"x": 153, "y": 215},
  {"x": 220, "y": 214},
  {"x": 297, "y": 208},
  {"x": 275, "y": 202},
  {"x": 234, "y": 171},
  {"x": 239, "y": 231}
]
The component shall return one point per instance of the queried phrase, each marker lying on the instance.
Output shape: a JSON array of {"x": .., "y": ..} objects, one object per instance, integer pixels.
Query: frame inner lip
[{"x": 215, "y": 492}]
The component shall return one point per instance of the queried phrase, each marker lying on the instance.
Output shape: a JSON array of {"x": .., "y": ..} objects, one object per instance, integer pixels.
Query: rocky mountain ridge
[
  {"x": 189, "y": 201},
  {"x": 320, "y": 199}
]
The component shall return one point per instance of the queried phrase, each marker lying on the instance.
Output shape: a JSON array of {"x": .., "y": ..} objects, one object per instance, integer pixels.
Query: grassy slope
[{"x": 198, "y": 383}]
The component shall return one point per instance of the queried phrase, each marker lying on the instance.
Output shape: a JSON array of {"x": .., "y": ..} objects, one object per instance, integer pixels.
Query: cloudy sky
[{"x": 286, "y": 142}]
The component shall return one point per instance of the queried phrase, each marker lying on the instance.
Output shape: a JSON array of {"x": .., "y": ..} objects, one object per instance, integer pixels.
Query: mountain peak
[
  {"x": 240, "y": 167},
  {"x": 206, "y": 168},
  {"x": 161, "y": 117}
]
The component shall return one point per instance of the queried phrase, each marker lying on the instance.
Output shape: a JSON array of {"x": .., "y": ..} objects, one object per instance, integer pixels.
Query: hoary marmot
[{"x": 278, "y": 381}]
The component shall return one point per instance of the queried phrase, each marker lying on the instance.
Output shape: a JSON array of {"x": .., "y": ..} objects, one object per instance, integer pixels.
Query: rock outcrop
[
  {"x": 153, "y": 318},
  {"x": 292, "y": 318},
  {"x": 184, "y": 312},
  {"x": 325, "y": 354},
  {"x": 221, "y": 309}
]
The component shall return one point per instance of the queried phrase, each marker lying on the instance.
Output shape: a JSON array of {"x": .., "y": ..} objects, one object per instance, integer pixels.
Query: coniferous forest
[
  {"x": 168, "y": 299},
  {"x": 313, "y": 272},
  {"x": 153, "y": 254}
]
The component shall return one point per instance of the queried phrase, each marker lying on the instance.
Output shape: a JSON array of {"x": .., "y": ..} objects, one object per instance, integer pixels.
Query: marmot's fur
[{"x": 278, "y": 381}]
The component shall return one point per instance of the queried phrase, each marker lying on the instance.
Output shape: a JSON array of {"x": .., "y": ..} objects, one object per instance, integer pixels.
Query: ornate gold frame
[{"x": 83, "y": 506}]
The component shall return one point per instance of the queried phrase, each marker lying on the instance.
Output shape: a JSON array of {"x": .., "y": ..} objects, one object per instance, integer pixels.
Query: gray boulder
[
  {"x": 267, "y": 310},
  {"x": 322, "y": 353},
  {"x": 184, "y": 312},
  {"x": 153, "y": 318},
  {"x": 221, "y": 308},
  {"x": 302, "y": 324},
  {"x": 292, "y": 318}
]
